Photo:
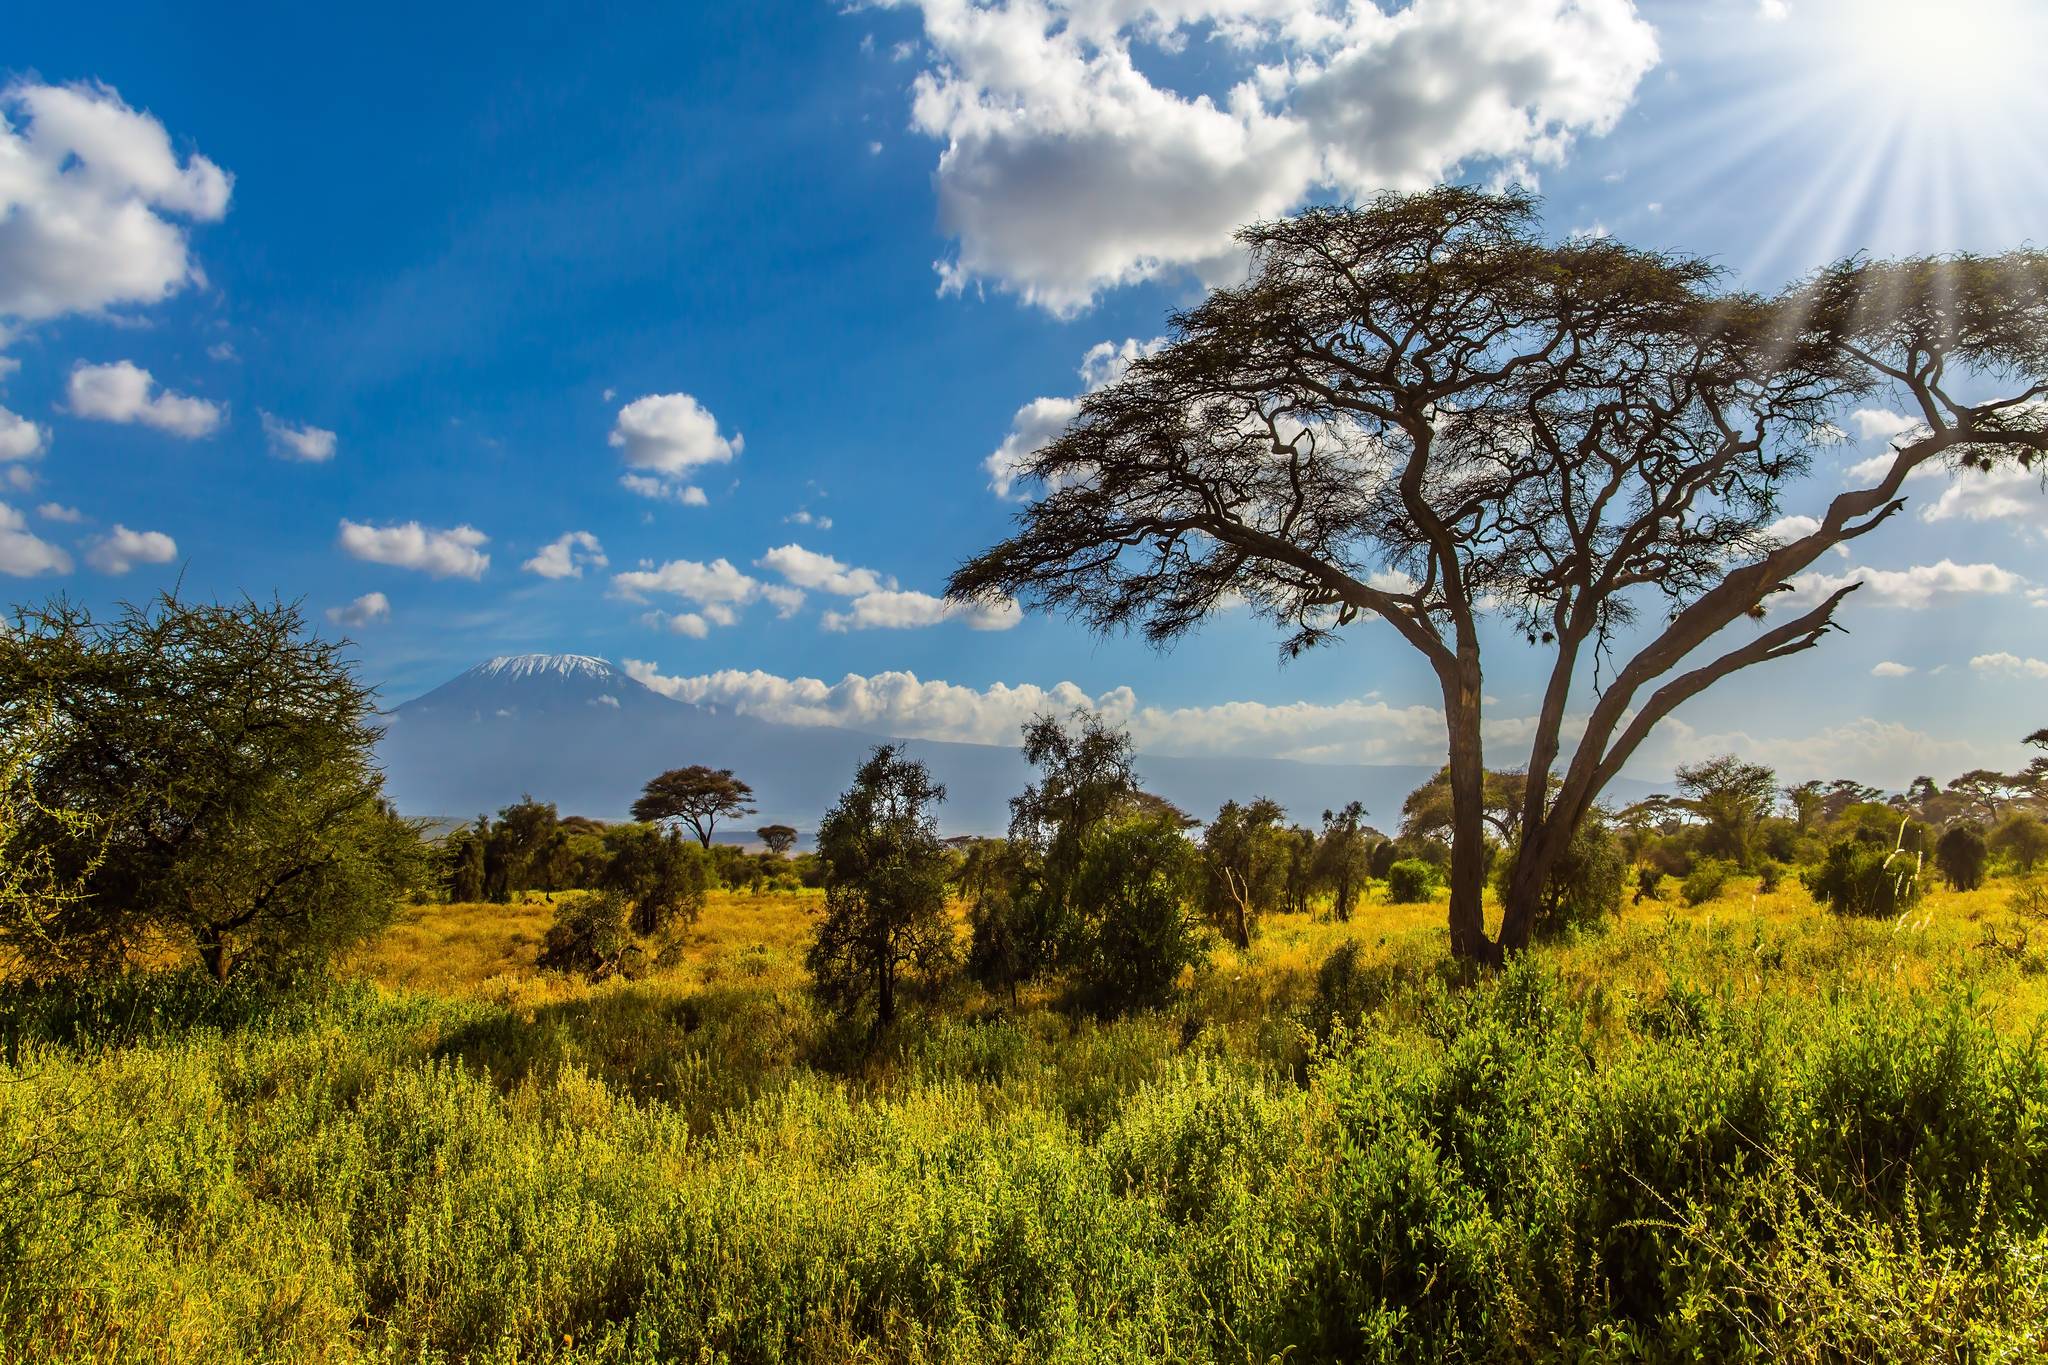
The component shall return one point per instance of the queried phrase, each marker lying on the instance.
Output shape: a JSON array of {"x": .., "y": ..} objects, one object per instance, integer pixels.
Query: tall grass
[{"x": 1747, "y": 1130}]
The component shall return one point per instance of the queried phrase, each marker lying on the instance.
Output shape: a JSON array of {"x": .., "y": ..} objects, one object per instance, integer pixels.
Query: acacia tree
[
  {"x": 885, "y": 886},
  {"x": 1732, "y": 798},
  {"x": 697, "y": 796},
  {"x": 780, "y": 839},
  {"x": 1420, "y": 411},
  {"x": 202, "y": 771},
  {"x": 1343, "y": 858}
]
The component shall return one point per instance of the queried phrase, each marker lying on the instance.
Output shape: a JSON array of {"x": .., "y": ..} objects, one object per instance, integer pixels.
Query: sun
[{"x": 1931, "y": 56}]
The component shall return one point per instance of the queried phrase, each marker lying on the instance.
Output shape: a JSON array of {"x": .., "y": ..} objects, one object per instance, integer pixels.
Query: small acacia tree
[
  {"x": 778, "y": 839},
  {"x": 1245, "y": 855},
  {"x": 1343, "y": 858},
  {"x": 697, "y": 796},
  {"x": 1731, "y": 798},
  {"x": 221, "y": 758},
  {"x": 885, "y": 887},
  {"x": 1419, "y": 411}
]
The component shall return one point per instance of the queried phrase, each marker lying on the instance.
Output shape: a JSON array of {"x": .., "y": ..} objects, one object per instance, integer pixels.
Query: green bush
[
  {"x": 1585, "y": 885},
  {"x": 590, "y": 936},
  {"x": 1649, "y": 879},
  {"x": 1961, "y": 854},
  {"x": 1768, "y": 876},
  {"x": 1865, "y": 879},
  {"x": 1138, "y": 879},
  {"x": 1411, "y": 881},
  {"x": 1706, "y": 880}
]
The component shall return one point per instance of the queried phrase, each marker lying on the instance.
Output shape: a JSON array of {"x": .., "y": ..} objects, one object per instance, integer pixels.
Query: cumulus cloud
[
  {"x": 367, "y": 610},
  {"x": 719, "y": 581},
  {"x": 809, "y": 569},
  {"x": 1069, "y": 168},
  {"x": 647, "y": 486},
  {"x": 1888, "y": 669},
  {"x": 803, "y": 516},
  {"x": 900, "y": 703},
  {"x": 1039, "y": 421},
  {"x": 1919, "y": 586},
  {"x": 24, "y": 555},
  {"x": 125, "y": 392},
  {"x": 20, "y": 439},
  {"x": 905, "y": 610},
  {"x": 57, "y": 511},
  {"x": 2007, "y": 493},
  {"x": 2010, "y": 665},
  {"x": 89, "y": 191},
  {"x": 1881, "y": 751},
  {"x": 309, "y": 444},
  {"x": 877, "y": 603},
  {"x": 1871, "y": 423},
  {"x": 122, "y": 549},
  {"x": 666, "y": 436},
  {"x": 452, "y": 553},
  {"x": 567, "y": 556}
]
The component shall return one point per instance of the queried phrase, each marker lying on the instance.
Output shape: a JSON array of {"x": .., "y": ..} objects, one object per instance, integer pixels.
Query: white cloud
[
  {"x": 20, "y": 439},
  {"x": 803, "y": 516},
  {"x": 57, "y": 511},
  {"x": 1876, "y": 422},
  {"x": 1878, "y": 751},
  {"x": 125, "y": 392},
  {"x": 310, "y": 444},
  {"x": 719, "y": 581},
  {"x": 1914, "y": 588},
  {"x": 223, "y": 351},
  {"x": 809, "y": 569},
  {"x": 2011, "y": 665},
  {"x": 122, "y": 549},
  {"x": 1042, "y": 419},
  {"x": 567, "y": 556},
  {"x": 668, "y": 435},
  {"x": 2007, "y": 493},
  {"x": 453, "y": 553},
  {"x": 1888, "y": 669},
  {"x": 1068, "y": 169},
  {"x": 86, "y": 184},
  {"x": 1773, "y": 11},
  {"x": 647, "y": 486},
  {"x": 904, "y": 610},
  {"x": 23, "y": 555},
  {"x": 367, "y": 610},
  {"x": 899, "y": 703}
]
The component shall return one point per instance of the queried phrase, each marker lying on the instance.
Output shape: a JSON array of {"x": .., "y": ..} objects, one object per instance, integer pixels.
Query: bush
[
  {"x": 1137, "y": 879},
  {"x": 589, "y": 935},
  {"x": 1859, "y": 878},
  {"x": 1585, "y": 885},
  {"x": 662, "y": 877},
  {"x": 1706, "y": 880},
  {"x": 1411, "y": 881},
  {"x": 2021, "y": 840},
  {"x": 1649, "y": 878},
  {"x": 1768, "y": 875},
  {"x": 1960, "y": 855}
]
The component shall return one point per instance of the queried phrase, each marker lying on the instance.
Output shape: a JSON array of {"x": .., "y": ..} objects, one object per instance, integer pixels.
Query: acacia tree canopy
[
  {"x": 1421, "y": 411},
  {"x": 698, "y": 796},
  {"x": 204, "y": 772}
]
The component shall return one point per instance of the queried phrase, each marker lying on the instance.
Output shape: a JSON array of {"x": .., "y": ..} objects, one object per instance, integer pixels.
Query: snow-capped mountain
[{"x": 574, "y": 730}]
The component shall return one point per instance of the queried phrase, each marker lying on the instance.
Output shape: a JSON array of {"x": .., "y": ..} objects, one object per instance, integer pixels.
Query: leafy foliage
[
  {"x": 696, "y": 796},
  {"x": 203, "y": 772},
  {"x": 1865, "y": 879},
  {"x": 1960, "y": 854},
  {"x": 885, "y": 888},
  {"x": 662, "y": 878},
  {"x": 590, "y": 936},
  {"x": 1137, "y": 882},
  {"x": 1412, "y": 881}
]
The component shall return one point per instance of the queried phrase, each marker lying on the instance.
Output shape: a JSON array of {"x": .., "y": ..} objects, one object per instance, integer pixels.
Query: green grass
[{"x": 1741, "y": 1129}]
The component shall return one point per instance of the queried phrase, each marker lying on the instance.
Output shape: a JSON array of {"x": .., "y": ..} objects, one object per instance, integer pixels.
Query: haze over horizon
[{"x": 705, "y": 339}]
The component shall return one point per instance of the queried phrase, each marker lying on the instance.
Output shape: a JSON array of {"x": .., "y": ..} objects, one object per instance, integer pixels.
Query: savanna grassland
[{"x": 1745, "y": 1128}]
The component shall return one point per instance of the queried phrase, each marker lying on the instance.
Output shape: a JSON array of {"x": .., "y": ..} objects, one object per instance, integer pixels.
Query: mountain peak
[{"x": 518, "y": 667}]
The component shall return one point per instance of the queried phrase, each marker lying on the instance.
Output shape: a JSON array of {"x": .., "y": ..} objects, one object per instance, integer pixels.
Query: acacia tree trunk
[
  {"x": 1468, "y": 813},
  {"x": 214, "y": 955},
  {"x": 1541, "y": 847}
]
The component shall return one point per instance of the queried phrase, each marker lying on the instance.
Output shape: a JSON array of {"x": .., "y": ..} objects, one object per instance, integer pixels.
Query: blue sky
[{"x": 371, "y": 307}]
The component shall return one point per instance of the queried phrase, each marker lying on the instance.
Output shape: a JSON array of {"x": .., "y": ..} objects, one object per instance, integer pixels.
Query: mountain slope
[{"x": 576, "y": 731}]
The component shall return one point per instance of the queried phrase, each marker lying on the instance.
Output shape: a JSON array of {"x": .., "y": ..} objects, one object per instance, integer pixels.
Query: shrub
[
  {"x": 1137, "y": 879},
  {"x": 1585, "y": 885},
  {"x": 1768, "y": 875},
  {"x": 1859, "y": 878},
  {"x": 661, "y": 876},
  {"x": 1649, "y": 878},
  {"x": 1961, "y": 855},
  {"x": 1706, "y": 880},
  {"x": 1411, "y": 881},
  {"x": 589, "y": 935},
  {"x": 2021, "y": 840}
]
